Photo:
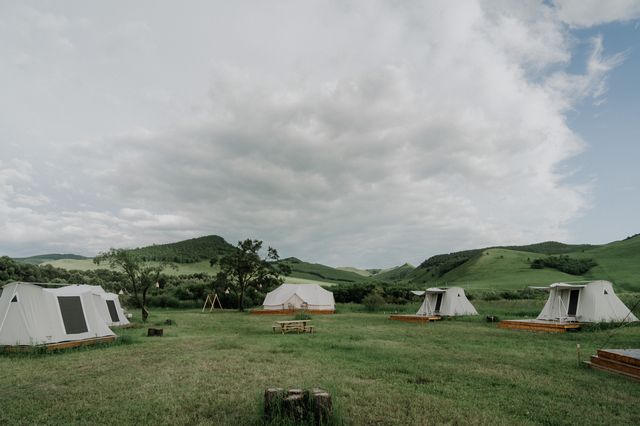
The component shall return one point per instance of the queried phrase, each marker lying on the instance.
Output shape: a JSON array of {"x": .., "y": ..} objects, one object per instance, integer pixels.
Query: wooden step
[
  {"x": 625, "y": 356},
  {"x": 538, "y": 325},
  {"x": 621, "y": 367},
  {"x": 414, "y": 318}
]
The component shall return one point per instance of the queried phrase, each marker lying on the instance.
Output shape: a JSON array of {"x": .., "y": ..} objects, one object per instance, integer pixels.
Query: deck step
[
  {"x": 535, "y": 325},
  {"x": 625, "y": 356},
  {"x": 611, "y": 370},
  {"x": 615, "y": 365},
  {"x": 414, "y": 318}
]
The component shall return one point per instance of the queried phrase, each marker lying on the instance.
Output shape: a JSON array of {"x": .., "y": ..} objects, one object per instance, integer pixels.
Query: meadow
[{"x": 212, "y": 368}]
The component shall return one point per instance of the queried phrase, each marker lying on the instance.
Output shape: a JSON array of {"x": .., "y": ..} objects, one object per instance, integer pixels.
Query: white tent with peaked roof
[
  {"x": 448, "y": 301},
  {"x": 299, "y": 296},
  {"x": 32, "y": 315},
  {"x": 593, "y": 301}
]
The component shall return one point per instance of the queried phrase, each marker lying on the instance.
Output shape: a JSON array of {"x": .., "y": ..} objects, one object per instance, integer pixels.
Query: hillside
[
  {"x": 319, "y": 272},
  {"x": 510, "y": 267},
  {"x": 187, "y": 251},
  {"x": 395, "y": 274},
  {"x": 43, "y": 258}
]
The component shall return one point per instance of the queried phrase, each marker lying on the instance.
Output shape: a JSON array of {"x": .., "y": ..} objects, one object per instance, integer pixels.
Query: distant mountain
[{"x": 42, "y": 258}]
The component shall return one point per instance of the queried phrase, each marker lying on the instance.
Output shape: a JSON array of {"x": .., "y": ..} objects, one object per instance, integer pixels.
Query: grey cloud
[{"x": 370, "y": 134}]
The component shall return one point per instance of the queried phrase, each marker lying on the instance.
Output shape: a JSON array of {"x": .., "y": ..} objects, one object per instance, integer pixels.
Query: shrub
[{"x": 373, "y": 301}]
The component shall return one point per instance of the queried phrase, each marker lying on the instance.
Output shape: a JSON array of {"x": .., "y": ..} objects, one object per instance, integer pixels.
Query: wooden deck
[
  {"x": 290, "y": 311},
  {"x": 620, "y": 361},
  {"x": 540, "y": 325},
  {"x": 61, "y": 345},
  {"x": 414, "y": 318}
]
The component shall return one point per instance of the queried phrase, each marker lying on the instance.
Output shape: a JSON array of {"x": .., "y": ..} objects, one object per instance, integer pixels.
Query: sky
[{"x": 363, "y": 133}]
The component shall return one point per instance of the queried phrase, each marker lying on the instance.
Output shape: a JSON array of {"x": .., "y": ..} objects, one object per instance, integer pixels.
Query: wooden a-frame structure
[{"x": 212, "y": 299}]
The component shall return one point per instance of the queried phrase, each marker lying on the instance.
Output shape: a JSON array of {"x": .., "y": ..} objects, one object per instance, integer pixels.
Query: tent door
[
  {"x": 573, "y": 303},
  {"x": 438, "y": 303}
]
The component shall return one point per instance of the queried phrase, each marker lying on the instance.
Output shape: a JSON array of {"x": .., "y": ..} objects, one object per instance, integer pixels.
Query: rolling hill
[
  {"x": 507, "y": 267},
  {"x": 510, "y": 267}
]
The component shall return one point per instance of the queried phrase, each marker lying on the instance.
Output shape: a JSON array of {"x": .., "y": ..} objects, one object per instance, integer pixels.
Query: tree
[
  {"x": 243, "y": 268},
  {"x": 141, "y": 275}
]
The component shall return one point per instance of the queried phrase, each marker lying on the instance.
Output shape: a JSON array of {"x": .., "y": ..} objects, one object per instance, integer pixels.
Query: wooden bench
[{"x": 299, "y": 326}]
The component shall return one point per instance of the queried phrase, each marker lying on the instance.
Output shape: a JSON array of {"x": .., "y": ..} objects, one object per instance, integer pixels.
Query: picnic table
[{"x": 299, "y": 326}]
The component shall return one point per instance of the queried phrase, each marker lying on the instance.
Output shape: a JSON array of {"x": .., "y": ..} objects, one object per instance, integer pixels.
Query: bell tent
[
  {"x": 447, "y": 302},
  {"x": 32, "y": 315},
  {"x": 589, "y": 302},
  {"x": 309, "y": 297}
]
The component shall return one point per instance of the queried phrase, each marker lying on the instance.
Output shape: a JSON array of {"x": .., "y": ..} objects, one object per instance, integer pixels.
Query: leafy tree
[
  {"x": 243, "y": 268},
  {"x": 141, "y": 275}
]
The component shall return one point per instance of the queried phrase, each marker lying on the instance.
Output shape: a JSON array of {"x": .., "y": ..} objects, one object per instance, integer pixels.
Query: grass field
[{"x": 213, "y": 368}]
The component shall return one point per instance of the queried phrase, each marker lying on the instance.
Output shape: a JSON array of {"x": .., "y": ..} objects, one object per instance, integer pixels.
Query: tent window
[
  {"x": 72, "y": 314},
  {"x": 112, "y": 311},
  {"x": 15, "y": 299}
]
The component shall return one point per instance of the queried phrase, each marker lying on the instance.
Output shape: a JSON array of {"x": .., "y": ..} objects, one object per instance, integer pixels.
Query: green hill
[
  {"x": 187, "y": 251},
  {"x": 318, "y": 272},
  {"x": 395, "y": 274},
  {"x": 43, "y": 258},
  {"x": 363, "y": 272},
  {"x": 618, "y": 262},
  {"x": 510, "y": 267}
]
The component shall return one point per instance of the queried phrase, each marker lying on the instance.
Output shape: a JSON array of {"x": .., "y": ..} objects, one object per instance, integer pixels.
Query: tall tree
[
  {"x": 141, "y": 275},
  {"x": 244, "y": 268}
]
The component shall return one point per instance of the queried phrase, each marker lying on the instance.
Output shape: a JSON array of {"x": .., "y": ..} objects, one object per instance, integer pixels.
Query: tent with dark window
[
  {"x": 593, "y": 301},
  {"x": 32, "y": 315},
  {"x": 106, "y": 304},
  {"x": 447, "y": 301}
]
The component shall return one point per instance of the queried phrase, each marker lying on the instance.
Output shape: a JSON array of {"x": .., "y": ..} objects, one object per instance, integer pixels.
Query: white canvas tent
[
  {"x": 32, "y": 315},
  {"x": 449, "y": 301},
  {"x": 106, "y": 304},
  {"x": 589, "y": 302},
  {"x": 299, "y": 296}
]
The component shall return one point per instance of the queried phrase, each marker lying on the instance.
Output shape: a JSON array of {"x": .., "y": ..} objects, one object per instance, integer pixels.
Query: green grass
[{"x": 213, "y": 368}]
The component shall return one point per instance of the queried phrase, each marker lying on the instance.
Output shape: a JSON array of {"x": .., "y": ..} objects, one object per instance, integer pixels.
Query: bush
[
  {"x": 564, "y": 264},
  {"x": 373, "y": 302}
]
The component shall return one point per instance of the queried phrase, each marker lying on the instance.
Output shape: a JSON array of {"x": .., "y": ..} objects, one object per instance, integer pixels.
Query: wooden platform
[
  {"x": 61, "y": 345},
  {"x": 414, "y": 318},
  {"x": 290, "y": 312},
  {"x": 540, "y": 325},
  {"x": 620, "y": 361}
]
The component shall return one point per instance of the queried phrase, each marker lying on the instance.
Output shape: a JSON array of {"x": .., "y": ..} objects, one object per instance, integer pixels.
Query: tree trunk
[
  {"x": 145, "y": 312},
  {"x": 241, "y": 300}
]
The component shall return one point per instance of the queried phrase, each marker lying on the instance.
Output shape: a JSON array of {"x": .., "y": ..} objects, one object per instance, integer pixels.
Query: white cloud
[
  {"x": 588, "y": 13},
  {"x": 366, "y": 133}
]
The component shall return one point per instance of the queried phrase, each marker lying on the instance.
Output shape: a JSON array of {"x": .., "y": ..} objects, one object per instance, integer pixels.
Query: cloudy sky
[{"x": 364, "y": 133}]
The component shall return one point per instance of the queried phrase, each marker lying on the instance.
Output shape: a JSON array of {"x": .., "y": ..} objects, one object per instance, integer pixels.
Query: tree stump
[
  {"x": 272, "y": 402},
  {"x": 321, "y": 406},
  {"x": 297, "y": 405},
  {"x": 293, "y": 407},
  {"x": 155, "y": 332}
]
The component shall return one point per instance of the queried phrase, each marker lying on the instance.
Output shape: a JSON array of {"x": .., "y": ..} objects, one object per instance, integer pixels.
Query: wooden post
[{"x": 293, "y": 406}]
